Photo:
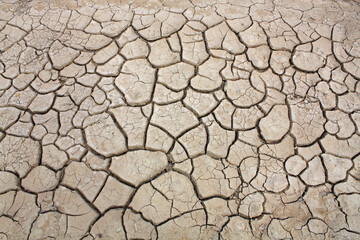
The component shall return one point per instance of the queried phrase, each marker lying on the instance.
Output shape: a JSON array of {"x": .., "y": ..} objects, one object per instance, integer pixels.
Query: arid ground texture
[{"x": 180, "y": 120}]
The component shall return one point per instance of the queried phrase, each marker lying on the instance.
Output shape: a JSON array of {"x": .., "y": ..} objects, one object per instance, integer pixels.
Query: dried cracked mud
[{"x": 196, "y": 119}]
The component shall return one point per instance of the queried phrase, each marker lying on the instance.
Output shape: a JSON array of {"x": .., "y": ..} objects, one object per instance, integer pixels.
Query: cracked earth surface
[{"x": 183, "y": 119}]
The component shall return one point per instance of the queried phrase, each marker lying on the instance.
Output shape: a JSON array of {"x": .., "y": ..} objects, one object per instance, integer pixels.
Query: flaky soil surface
[{"x": 182, "y": 119}]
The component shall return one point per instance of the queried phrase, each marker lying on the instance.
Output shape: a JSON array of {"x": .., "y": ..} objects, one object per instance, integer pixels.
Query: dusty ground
[{"x": 179, "y": 120}]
